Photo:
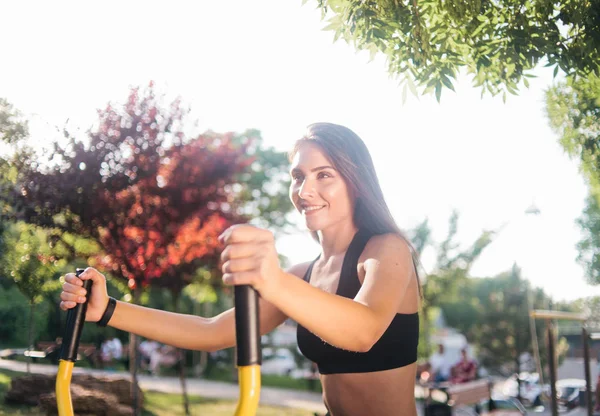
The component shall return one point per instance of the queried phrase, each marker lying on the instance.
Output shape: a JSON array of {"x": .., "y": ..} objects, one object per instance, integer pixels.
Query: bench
[
  {"x": 443, "y": 397},
  {"x": 51, "y": 350},
  {"x": 469, "y": 393}
]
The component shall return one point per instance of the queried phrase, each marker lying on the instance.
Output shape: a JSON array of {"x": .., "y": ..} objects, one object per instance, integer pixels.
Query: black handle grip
[
  {"x": 74, "y": 325},
  {"x": 247, "y": 330}
]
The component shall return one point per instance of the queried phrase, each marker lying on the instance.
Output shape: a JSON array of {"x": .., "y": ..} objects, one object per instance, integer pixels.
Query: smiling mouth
[{"x": 311, "y": 209}]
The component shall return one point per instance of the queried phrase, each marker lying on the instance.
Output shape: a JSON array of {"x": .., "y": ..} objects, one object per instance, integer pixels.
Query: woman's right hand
[{"x": 73, "y": 293}]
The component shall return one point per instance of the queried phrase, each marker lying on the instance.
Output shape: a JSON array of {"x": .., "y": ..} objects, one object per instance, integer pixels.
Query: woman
[
  {"x": 465, "y": 369},
  {"x": 356, "y": 304}
]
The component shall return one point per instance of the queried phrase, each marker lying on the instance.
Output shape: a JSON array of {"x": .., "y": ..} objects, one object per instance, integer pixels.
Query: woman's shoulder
[{"x": 388, "y": 244}]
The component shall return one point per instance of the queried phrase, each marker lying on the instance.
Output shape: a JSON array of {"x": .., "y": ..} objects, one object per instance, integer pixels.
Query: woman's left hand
[{"x": 250, "y": 258}]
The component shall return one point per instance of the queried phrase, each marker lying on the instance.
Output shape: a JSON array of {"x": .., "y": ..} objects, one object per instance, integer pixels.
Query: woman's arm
[
  {"x": 189, "y": 331},
  {"x": 180, "y": 330},
  {"x": 352, "y": 324}
]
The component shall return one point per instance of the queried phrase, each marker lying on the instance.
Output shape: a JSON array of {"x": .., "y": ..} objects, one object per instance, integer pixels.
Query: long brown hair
[{"x": 351, "y": 158}]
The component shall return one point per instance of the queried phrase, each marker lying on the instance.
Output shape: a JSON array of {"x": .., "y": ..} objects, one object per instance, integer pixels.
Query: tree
[
  {"x": 13, "y": 126},
  {"x": 588, "y": 248},
  {"x": 573, "y": 108},
  {"x": 501, "y": 330},
  {"x": 493, "y": 313},
  {"x": 29, "y": 261},
  {"x": 13, "y": 131},
  {"x": 498, "y": 42},
  {"x": 452, "y": 266},
  {"x": 152, "y": 199}
]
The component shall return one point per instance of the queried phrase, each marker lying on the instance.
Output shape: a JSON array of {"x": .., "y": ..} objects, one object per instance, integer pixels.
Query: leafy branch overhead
[{"x": 498, "y": 42}]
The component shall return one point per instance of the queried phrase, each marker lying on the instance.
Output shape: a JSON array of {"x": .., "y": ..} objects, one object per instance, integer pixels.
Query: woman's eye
[
  {"x": 323, "y": 175},
  {"x": 297, "y": 178}
]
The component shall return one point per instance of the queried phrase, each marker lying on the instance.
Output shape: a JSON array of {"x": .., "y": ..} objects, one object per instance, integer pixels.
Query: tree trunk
[
  {"x": 207, "y": 306},
  {"x": 133, "y": 362},
  {"x": 30, "y": 334},
  {"x": 181, "y": 362},
  {"x": 518, "y": 370},
  {"x": 200, "y": 367}
]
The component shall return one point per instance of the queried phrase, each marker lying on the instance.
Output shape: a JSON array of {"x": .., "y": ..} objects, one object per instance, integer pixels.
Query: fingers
[
  {"x": 240, "y": 278},
  {"x": 76, "y": 290},
  {"x": 247, "y": 256},
  {"x": 73, "y": 284},
  {"x": 71, "y": 297},
  {"x": 94, "y": 275},
  {"x": 73, "y": 292},
  {"x": 239, "y": 250},
  {"x": 67, "y": 305},
  {"x": 73, "y": 279},
  {"x": 239, "y": 265},
  {"x": 242, "y": 233}
]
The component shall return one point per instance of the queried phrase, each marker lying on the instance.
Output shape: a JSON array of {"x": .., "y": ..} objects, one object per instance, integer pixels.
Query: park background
[{"x": 483, "y": 186}]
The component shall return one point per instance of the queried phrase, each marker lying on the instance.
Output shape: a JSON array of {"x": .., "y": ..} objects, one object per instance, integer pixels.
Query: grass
[
  {"x": 156, "y": 404},
  {"x": 5, "y": 377},
  {"x": 269, "y": 380},
  {"x": 161, "y": 404},
  {"x": 216, "y": 374}
]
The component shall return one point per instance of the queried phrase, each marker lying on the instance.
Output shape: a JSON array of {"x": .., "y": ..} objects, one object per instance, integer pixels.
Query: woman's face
[{"x": 318, "y": 191}]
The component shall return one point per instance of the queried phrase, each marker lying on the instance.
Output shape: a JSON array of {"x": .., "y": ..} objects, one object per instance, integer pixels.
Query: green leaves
[
  {"x": 13, "y": 127},
  {"x": 29, "y": 260},
  {"x": 497, "y": 42},
  {"x": 573, "y": 108}
]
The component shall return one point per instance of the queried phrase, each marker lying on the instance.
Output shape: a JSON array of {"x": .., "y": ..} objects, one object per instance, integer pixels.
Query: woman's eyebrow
[{"x": 298, "y": 170}]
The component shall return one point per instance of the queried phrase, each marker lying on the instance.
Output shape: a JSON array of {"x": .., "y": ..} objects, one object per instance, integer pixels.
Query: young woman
[{"x": 356, "y": 304}]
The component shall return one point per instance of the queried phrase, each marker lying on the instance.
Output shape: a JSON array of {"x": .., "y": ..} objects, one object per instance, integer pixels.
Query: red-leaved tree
[{"x": 154, "y": 200}]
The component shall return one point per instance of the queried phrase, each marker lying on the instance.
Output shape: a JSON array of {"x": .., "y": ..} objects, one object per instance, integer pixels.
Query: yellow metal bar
[
  {"x": 63, "y": 388},
  {"x": 569, "y": 316},
  {"x": 249, "y": 379}
]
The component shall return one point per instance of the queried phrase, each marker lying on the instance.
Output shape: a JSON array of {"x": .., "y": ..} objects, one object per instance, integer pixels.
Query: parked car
[
  {"x": 280, "y": 361},
  {"x": 568, "y": 392},
  {"x": 531, "y": 390}
]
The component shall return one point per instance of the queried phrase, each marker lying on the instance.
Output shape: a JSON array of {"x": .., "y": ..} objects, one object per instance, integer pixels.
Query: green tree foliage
[
  {"x": 573, "y": 108},
  {"x": 13, "y": 126},
  {"x": 493, "y": 313},
  {"x": 29, "y": 260},
  {"x": 453, "y": 265},
  {"x": 588, "y": 248},
  {"x": 31, "y": 264},
  {"x": 13, "y": 130},
  {"x": 498, "y": 42},
  {"x": 590, "y": 307}
]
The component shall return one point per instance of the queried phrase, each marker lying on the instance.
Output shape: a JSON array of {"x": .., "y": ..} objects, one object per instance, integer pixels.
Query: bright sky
[{"x": 268, "y": 65}]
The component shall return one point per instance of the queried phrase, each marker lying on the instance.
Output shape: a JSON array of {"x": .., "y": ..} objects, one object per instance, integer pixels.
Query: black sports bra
[{"x": 397, "y": 346}]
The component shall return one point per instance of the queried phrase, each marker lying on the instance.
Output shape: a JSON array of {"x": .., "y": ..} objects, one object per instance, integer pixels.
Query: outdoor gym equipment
[
  {"x": 68, "y": 352},
  {"x": 550, "y": 317},
  {"x": 247, "y": 335},
  {"x": 248, "y": 350}
]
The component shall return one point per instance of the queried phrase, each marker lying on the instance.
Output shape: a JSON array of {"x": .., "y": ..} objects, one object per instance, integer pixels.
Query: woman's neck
[{"x": 336, "y": 239}]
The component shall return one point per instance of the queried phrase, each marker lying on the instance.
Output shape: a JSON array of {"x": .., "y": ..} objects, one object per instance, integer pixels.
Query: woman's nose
[{"x": 306, "y": 189}]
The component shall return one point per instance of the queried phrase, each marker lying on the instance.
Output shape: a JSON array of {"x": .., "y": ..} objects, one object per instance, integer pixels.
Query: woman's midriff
[{"x": 381, "y": 393}]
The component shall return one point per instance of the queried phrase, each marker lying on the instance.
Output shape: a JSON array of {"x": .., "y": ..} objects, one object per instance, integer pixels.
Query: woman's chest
[{"x": 328, "y": 277}]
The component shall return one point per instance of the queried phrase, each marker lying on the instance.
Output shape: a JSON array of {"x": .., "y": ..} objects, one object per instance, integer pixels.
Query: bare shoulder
[
  {"x": 299, "y": 270},
  {"x": 387, "y": 247}
]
